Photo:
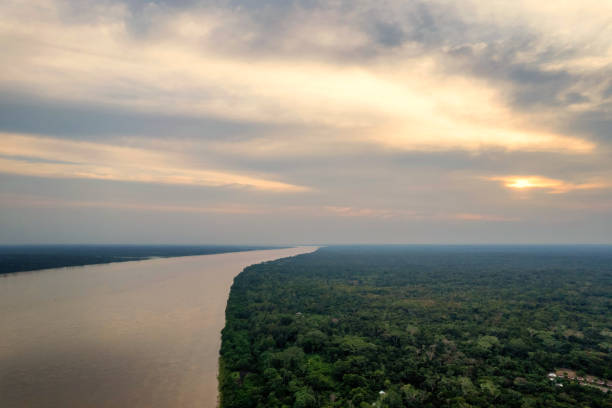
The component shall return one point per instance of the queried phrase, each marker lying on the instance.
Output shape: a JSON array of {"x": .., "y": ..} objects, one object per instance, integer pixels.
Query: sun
[
  {"x": 550, "y": 185},
  {"x": 521, "y": 183}
]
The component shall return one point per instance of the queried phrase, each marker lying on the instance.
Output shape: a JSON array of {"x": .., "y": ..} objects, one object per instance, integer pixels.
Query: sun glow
[
  {"x": 550, "y": 185},
  {"x": 521, "y": 183}
]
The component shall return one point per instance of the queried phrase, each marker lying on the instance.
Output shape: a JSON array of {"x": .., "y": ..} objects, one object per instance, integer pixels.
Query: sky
[{"x": 305, "y": 121}]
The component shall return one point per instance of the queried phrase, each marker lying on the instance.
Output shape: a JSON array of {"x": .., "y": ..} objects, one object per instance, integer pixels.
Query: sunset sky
[{"x": 281, "y": 122}]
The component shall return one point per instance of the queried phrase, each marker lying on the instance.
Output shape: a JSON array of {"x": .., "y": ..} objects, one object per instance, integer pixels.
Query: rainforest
[{"x": 421, "y": 326}]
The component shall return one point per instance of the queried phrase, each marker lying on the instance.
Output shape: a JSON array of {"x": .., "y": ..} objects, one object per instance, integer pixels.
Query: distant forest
[
  {"x": 421, "y": 327},
  {"x": 34, "y": 257}
]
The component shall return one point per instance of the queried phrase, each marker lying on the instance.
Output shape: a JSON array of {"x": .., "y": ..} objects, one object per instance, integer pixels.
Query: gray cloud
[
  {"x": 596, "y": 123},
  {"x": 26, "y": 113}
]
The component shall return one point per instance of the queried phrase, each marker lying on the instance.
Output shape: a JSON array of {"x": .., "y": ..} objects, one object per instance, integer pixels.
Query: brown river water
[{"x": 129, "y": 334}]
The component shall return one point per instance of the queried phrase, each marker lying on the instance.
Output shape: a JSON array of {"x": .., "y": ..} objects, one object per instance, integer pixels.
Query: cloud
[
  {"x": 57, "y": 158},
  {"x": 482, "y": 217},
  {"x": 406, "y": 103},
  {"x": 415, "y": 215},
  {"x": 84, "y": 120},
  {"x": 553, "y": 186},
  {"x": 20, "y": 200},
  {"x": 8, "y": 200}
]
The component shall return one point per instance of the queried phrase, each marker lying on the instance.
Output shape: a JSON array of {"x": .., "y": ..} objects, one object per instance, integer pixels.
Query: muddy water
[{"x": 132, "y": 334}]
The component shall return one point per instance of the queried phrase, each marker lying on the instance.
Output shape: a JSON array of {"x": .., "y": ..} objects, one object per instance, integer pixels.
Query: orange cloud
[
  {"x": 408, "y": 214},
  {"x": 20, "y": 200},
  {"x": 481, "y": 217},
  {"x": 552, "y": 186},
  {"x": 58, "y": 158}
]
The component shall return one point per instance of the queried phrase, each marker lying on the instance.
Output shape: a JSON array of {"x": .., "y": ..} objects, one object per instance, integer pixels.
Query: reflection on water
[{"x": 134, "y": 334}]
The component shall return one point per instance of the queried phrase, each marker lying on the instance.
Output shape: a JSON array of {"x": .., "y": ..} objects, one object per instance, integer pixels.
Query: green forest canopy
[{"x": 420, "y": 327}]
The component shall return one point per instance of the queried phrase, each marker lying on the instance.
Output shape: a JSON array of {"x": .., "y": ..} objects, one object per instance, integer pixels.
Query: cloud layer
[
  {"x": 46, "y": 157},
  {"x": 359, "y": 110}
]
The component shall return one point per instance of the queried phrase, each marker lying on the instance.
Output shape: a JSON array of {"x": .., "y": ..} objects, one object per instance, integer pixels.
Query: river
[{"x": 129, "y": 334}]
